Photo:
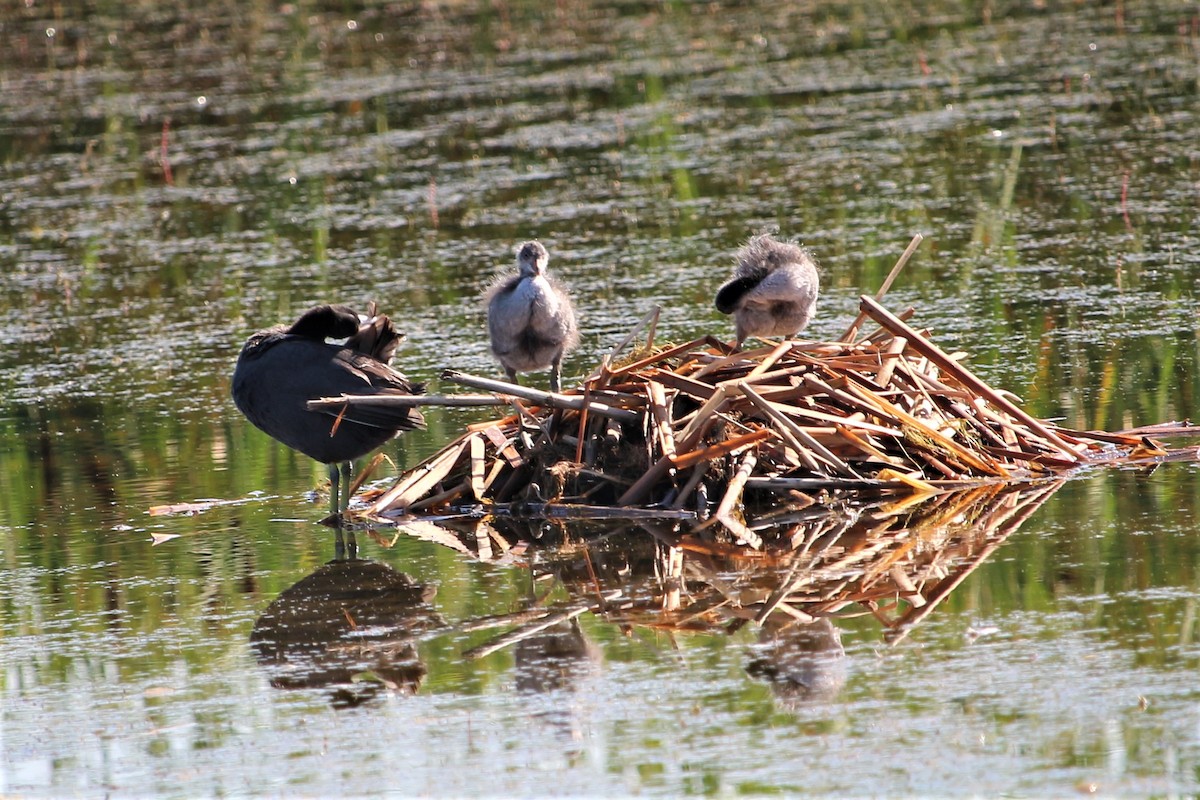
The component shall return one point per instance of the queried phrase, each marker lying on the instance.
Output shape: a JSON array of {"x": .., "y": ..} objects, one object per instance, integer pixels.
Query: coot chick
[
  {"x": 531, "y": 321},
  {"x": 773, "y": 291},
  {"x": 281, "y": 368}
]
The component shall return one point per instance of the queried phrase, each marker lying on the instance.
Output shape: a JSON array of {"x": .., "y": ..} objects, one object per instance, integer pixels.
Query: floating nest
[{"x": 700, "y": 431}]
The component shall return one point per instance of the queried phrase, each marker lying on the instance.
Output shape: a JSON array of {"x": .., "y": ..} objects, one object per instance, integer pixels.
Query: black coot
[{"x": 280, "y": 369}]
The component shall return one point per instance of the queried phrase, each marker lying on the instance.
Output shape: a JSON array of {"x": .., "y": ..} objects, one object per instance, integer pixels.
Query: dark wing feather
[
  {"x": 731, "y": 293},
  {"x": 363, "y": 375}
]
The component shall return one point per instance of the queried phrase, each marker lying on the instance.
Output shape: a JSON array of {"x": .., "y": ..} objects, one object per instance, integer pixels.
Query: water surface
[{"x": 173, "y": 179}]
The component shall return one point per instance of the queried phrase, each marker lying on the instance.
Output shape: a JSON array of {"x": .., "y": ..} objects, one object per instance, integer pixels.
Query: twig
[
  {"x": 541, "y": 398},
  {"x": 405, "y": 400},
  {"x": 965, "y": 376},
  {"x": 852, "y": 331}
]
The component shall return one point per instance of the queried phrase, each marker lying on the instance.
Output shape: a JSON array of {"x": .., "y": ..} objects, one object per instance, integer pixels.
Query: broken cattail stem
[
  {"x": 894, "y": 349},
  {"x": 719, "y": 449},
  {"x": 662, "y": 417},
  {"x": 887, "y": 284},
  {"x": 968, "y": 378},
  {"x": 802, "y": 436},
  {"x": 541, "y": 398},
  {"x": 733, "y": 494}
]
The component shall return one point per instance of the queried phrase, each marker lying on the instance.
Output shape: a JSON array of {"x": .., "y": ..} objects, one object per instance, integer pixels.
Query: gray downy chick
[
  {"x": 531, "y": 321},
  {"x": 773, "y": 291}
]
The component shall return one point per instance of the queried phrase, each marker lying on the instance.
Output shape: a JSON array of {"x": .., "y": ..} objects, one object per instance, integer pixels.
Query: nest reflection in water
[
  {"x": 353, "y": 626},
  {"x": 895, "y": 560}
]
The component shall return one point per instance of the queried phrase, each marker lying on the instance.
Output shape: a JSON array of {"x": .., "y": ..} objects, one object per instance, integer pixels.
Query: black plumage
[{"x": 281, "y": 368}]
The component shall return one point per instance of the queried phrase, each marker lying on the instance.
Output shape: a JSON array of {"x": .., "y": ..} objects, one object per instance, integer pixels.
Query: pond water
[{"x": 173, "y": 178}]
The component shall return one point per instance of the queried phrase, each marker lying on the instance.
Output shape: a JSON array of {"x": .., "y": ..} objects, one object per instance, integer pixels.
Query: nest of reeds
[{"x": 698, "y": 430}]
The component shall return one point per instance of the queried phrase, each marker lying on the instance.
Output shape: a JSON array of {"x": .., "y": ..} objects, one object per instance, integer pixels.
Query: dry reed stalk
[
  {"x": 407, "y": 400},
  {"x": 852, "y": 331},
  {"x": 935, "y": 354},
  {"x": 806, "y": 445},
  {"x": 539, "y": 397},
  {"x": 714, "y": 451},
  {"x": 662, "y": 417},
  {"x": 419, "y": 481}
]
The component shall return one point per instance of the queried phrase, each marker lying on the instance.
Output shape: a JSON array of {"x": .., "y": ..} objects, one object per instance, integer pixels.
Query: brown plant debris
[{"x": 686, "y": 426}]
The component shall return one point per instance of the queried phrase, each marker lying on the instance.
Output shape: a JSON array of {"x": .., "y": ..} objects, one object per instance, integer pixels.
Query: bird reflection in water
[
  {"x": 554, "y": 662},
  {"x": 802, "y": 662},
  {"x": 350, "y": 628},
  {"x": 555, "y": 659}
]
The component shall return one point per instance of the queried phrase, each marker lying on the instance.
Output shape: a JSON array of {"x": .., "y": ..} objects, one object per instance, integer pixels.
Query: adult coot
[
  {"x": 531, "y": 321},
  {"x": 773, "y": 291},
  {"x": 281, "y": 368}
]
